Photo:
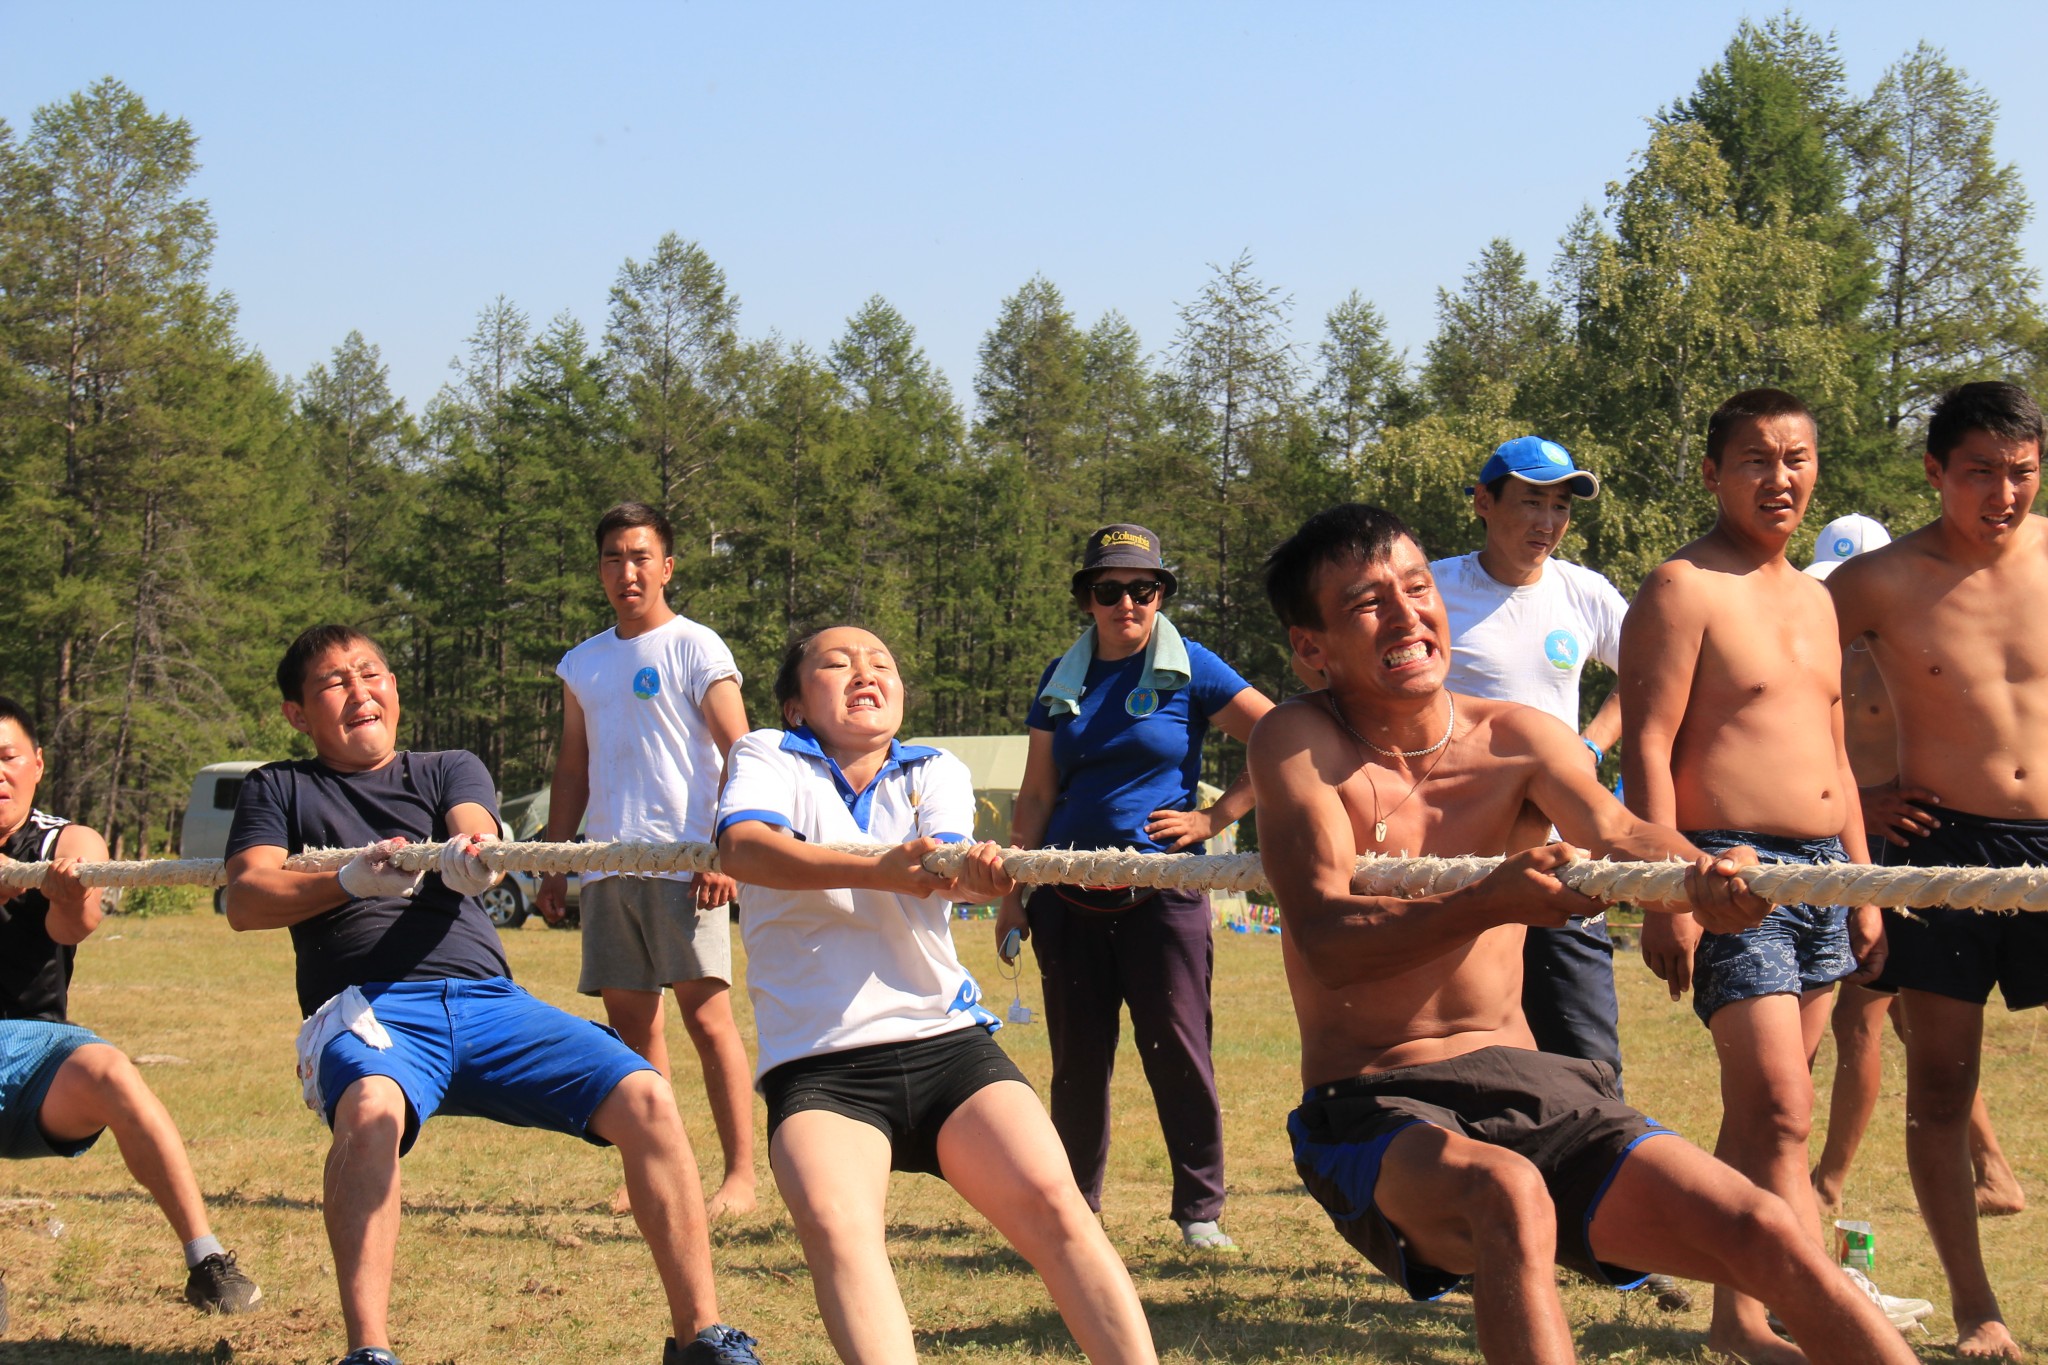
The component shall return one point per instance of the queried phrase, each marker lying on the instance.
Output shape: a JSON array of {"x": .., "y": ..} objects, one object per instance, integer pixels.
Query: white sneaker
[{"x": 1901, "y": 1313}]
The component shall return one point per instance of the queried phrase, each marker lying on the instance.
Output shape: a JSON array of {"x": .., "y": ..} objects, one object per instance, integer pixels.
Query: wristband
[{"x": 1598, "y": 756}]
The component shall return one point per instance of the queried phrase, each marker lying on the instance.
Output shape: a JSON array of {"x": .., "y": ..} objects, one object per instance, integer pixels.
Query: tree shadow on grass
[
  {"x": 18, "y": 1350},
  {"x": 1257, "y": 1327}
]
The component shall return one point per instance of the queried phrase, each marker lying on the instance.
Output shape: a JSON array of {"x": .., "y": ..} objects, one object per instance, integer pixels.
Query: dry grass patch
[{"x": 507, "y": 1252}]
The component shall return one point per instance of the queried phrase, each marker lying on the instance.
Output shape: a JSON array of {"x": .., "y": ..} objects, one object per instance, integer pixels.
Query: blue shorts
[
  {"x": 482, "y": 1049},
  {"x": 31, "y": 1050},
  {"x": 1798, "y": 948}
]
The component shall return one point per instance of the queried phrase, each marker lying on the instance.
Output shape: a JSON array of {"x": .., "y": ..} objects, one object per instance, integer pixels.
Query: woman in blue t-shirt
[{"x": 1116, "y": 751}]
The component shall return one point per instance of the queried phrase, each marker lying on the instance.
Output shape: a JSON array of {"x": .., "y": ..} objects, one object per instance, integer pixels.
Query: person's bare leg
[
  {"x": 706, "y": 1008},
  {"x": 98, "y": 1087},
  {"x": 1858, "y": 1023},
  {"x": 833, "y": 1173},
  {"x": 636, "y": 1016},
  {"x": 1672, "y": 1208},
  {"x": 360, "y": 1205},
  {"x": 999, "y": 1150},
  {"x": 1998, "y": 1190},
  {"x": 1473, "y": 1209},
  {"x": 639, "y": 1118},
  {"x": 1944, "y": 1042},
  {"x": 1765, "y": 1045}
]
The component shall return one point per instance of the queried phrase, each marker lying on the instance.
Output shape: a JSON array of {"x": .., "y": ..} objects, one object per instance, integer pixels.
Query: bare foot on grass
[
  {"x": 622, "y": 1202},
  {"x": 1986, "y": 1341},
  {"x": 1765, "y": 1350},
  {"x": 1998, "y": 1191},
  {"x": 1732, "y": 1340},
  {"x": 734, "y": 1197}
]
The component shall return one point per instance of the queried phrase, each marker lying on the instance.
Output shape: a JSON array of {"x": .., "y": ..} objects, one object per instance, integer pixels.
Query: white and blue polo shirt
[{"x": 839, "y": 969}]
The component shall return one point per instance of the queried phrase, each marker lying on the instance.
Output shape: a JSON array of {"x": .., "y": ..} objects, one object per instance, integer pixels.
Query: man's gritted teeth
[
  {"x": 363, "y": 721},
  {"x": 1415, "y": 651}
]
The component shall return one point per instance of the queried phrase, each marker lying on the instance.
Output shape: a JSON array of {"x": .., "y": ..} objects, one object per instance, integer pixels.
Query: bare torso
[
  {"x": 1470, "y": 997},
  {"x": 1867, "y": 727},
  {"x": 1965, "y": 663},
  {"x": 1756, "y": 747}
]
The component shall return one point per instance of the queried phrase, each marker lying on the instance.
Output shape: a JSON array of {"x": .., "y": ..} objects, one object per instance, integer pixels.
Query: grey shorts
[{"x": 644, "y": 933}]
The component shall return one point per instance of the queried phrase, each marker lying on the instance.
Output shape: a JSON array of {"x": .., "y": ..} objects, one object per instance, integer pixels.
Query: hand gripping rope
[{"x": 1961, "y": 888}]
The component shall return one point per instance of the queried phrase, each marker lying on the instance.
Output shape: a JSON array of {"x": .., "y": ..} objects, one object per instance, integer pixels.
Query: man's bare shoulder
[
  {"x": 1889, "y": 571},
  {"x": 1295, "y": 723},
  {"x": 1512, "y": 730},
  {"x": 1680, "y": 585}
]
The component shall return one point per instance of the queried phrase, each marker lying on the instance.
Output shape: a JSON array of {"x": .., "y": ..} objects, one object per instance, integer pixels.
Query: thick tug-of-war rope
[{"x": 1962, "y": 888}]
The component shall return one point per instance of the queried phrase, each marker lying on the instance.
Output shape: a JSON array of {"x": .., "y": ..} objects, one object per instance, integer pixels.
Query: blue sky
[{"x": 393, "y": 168}]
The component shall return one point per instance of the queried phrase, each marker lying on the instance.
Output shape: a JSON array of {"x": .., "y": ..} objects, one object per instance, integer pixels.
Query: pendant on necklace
[{"x": 1379, "y": 832}]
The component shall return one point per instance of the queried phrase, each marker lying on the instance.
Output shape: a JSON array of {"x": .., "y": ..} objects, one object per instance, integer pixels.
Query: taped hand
[
  {"x": 462, "y": 871},
  {"x": 370, "y": 873}
]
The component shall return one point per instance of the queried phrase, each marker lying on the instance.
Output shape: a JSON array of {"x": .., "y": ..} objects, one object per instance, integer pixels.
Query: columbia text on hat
[{"x": 1124, "y": 546}]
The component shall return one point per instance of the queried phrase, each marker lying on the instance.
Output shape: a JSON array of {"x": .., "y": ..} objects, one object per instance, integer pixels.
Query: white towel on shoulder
[{"x": 347, "y": 1012}]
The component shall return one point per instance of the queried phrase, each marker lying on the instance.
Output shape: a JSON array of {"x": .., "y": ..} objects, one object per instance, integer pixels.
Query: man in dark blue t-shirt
[{"x": 411, "y": 1008}]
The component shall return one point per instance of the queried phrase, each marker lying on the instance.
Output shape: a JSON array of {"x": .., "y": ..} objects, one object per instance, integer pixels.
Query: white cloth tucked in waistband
[{"x": 347, "y": 1012}]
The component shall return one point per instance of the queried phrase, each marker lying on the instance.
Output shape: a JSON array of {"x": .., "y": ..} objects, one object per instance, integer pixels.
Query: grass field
[{"x": 507, "y": 1253}]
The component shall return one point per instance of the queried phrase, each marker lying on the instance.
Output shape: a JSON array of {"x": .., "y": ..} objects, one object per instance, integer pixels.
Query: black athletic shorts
[
  {"x": 908, "y": 1090},
  {"x": 1561, "y": 1113},
  {"x": 1963, "y": 953}
]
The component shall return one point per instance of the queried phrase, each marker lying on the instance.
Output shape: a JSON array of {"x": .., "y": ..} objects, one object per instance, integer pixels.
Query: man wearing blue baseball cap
[{"x": 1522, "y": 627}]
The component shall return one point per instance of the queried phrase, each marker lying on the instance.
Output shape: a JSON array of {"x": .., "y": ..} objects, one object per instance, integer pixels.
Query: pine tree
[
  {"x": 1493, "y": 332},
  {"x": 1362, "y": 383},
  {"x": 1955, "y": 300}
]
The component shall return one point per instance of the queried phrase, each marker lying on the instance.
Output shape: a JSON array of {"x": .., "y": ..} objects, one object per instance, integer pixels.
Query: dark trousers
[
  {"x": 1568, "y": 993},
  {"x": 1158, "y": 956}
]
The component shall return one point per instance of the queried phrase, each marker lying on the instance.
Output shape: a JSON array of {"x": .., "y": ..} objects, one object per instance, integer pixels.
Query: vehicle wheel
[{"x": 504, "y": 904}]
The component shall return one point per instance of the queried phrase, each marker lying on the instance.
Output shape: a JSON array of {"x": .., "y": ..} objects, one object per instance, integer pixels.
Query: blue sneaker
[
  {"x": 715, "y": 1345},
  {"x": 368, "y": 1355}
]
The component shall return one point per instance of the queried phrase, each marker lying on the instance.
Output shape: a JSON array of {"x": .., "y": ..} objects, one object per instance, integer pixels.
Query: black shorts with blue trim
[{"x": 1560, "y": 1113}]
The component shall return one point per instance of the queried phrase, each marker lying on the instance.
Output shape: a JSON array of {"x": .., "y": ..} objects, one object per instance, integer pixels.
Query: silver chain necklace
[{"x": 1338, "y": 712}]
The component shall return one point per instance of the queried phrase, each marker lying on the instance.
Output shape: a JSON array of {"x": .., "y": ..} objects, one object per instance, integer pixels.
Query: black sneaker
[
  {"x": 217, "y": 1285},
  {"x": 368, "y": 1355},
  {"x": 715, "y": 1345}
]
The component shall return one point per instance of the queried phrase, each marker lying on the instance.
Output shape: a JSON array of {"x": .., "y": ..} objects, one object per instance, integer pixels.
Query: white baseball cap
[{"x": 1845, "y": 538}]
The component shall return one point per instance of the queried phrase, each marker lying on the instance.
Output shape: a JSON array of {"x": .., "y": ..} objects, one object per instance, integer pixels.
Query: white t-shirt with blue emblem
[
  {"x": 1528, "y": 644},
  {"x": 832, "y": 970},
  {"x": 654, "y": 767}
]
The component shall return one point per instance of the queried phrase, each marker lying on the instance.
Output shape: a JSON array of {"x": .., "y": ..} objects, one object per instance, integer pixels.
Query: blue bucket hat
[{"x": 1543, "y": 463}]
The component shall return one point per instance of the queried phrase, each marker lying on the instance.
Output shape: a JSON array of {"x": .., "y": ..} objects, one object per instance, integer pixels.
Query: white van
[{"x": 210, "y": 812}]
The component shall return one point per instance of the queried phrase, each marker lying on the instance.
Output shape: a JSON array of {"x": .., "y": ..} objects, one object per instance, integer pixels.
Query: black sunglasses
[{"x": 1107, "y": 592}]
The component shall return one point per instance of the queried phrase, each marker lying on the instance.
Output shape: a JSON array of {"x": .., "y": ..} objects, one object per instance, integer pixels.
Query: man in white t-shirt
[
  {"x": 649, "y": 710},
  {"x": 1523, "y": 625}
]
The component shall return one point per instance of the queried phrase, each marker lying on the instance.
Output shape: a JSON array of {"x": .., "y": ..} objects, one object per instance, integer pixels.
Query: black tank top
[{"x": 35, "y": 969}]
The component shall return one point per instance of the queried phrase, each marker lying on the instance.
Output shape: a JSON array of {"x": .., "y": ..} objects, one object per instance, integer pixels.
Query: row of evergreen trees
[{"x": 174, "y": 510}]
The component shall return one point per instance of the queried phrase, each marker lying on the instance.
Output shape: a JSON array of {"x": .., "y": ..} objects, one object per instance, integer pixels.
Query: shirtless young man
[
  {"x": 1860, "y": 1012},
  {"x": 1949, "y": 613},
  {"x": 1498, "y": 1160},
  {"x": 1731, "y": 681}
]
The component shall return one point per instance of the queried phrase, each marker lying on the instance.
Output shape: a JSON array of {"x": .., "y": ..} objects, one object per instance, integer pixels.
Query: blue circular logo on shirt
[
  {"x": 1143, "y": 701},
  {"x": 1561, "y": 647},
  {"x": 646, "y": 684}
]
